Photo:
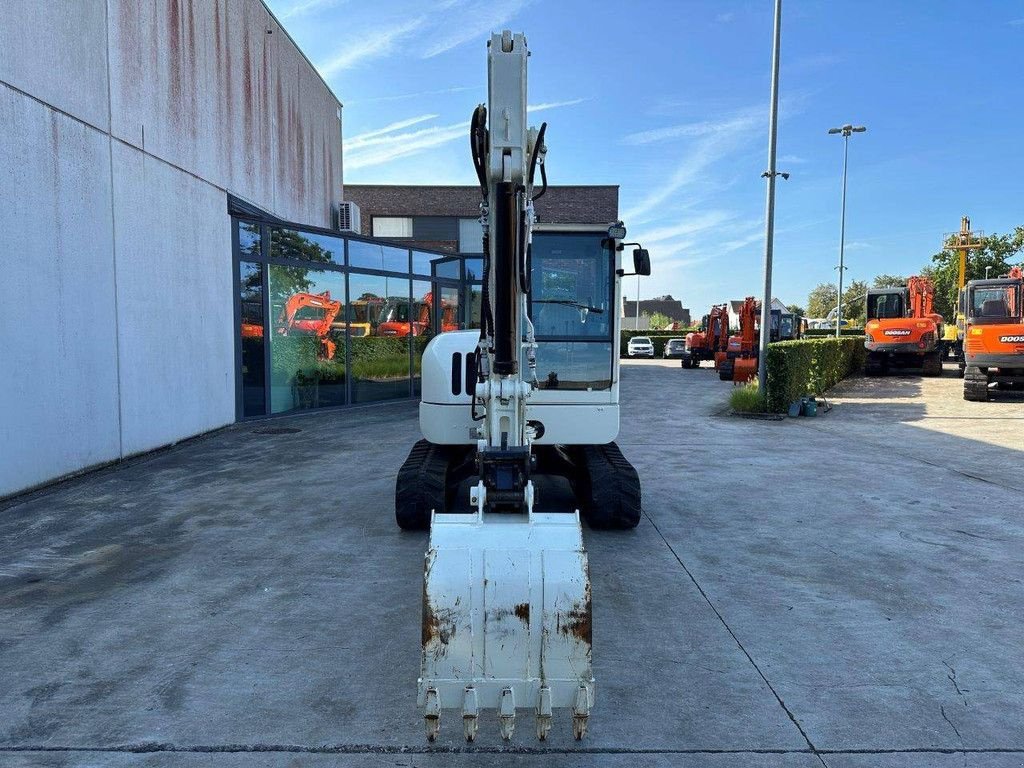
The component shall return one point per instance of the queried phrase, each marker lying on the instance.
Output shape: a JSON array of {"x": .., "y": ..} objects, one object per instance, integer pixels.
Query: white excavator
[{"x": 533, "y": 396}]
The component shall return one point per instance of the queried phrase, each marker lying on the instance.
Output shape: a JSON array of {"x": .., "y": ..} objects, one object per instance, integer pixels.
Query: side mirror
[{"x": 641, "y": 261}]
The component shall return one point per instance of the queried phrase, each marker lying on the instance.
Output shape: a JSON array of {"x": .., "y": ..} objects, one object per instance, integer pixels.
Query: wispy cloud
[
  {"x": 740, "y": 122},
  {"x": 384, "y": 149},
  {"x": 306, "y": 6},
  {"x": 418, "y": 94},
  {"x": 470, "y": 21},
  {"x": 390, "y": 142},
  {"x": 369, "y": 46},
  {"x": 791, "y": 159},
  {"x": 368, "y": 137},
  {"x": 711, "y": 142},
  {"x": 1016, "y": 22},
  {"x": 553, "y": 105}
]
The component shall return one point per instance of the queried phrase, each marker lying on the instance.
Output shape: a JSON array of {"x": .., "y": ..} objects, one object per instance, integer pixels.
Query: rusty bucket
[{"x": 506, "y": 620}]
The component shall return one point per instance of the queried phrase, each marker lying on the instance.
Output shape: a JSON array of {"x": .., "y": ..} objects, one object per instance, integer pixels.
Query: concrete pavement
[{"x": 845, "y": 590}]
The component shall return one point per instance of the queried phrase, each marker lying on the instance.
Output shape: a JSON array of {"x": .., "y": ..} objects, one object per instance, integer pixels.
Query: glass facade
[{"x": 327, "y": 320}]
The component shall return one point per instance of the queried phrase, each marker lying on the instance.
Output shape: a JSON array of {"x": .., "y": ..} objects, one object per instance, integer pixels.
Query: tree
[
  {"x": 995, "y": 251},
  {"x": 796, "y": 309},
  {"x": 854, "y": 304},
  {"x": 889, "y": 281},
  {"x": 821, "y": 300},
  {"x": 659, "y": 321}
]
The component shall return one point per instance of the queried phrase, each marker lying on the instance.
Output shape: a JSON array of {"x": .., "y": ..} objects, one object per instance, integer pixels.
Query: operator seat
[{"x": 995, "y": 308}]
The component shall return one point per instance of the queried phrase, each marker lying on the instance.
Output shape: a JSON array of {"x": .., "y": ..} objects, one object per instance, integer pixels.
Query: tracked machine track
[
  {"x": 607, "y": 487},
  {"x": 975, "y": 384},
  {"x": 426, "y": 482}
]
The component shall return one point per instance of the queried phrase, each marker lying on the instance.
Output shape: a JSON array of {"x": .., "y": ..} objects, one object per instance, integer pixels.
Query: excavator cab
[
  {"x": 902, "y": 329},
  {"x": 994, "y": 335}
]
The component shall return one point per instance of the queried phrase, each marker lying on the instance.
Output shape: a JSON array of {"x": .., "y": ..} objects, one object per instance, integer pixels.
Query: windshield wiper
[{"x": 569, "y": 303}]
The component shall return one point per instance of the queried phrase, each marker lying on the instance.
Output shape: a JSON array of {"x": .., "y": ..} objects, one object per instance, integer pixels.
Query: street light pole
[
  {"x": 845, "y": 130},
  {"x": 769, "y": 216},
  {"x": 638, "y": 302}
]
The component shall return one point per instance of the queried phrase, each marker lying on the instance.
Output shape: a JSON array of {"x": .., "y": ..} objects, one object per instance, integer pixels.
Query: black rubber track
[
  {"x": 975, "y": 384},
  {"x": 608, "y": 488},
  {"x": 932, "y": 365},
  {"x": 725, "y": 373},
  {"x": 421, "y": 485}
]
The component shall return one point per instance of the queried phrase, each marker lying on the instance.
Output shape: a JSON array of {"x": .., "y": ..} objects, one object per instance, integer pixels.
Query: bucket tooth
[
  {"x": 581, "y": 712},
  {"x": 544, "y": 713},
  {"x": 470, "y": 713},
  {"x": 432, "y": 714},
  {"x": 507, "y": 714}
]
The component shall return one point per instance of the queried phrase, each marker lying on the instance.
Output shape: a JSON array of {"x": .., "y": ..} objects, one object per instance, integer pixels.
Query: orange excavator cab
[
  {"x": 740, "y": 364},
  {"x": 903, "y": 328},
  {"x": 994, "y": 335},
  {"x": 395, "y": 317},
  {"x": 710, "y": 341},
  {"x": 312, "y": 314}
]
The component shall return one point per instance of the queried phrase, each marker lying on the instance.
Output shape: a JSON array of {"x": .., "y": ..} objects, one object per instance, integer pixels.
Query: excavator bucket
[{"x": 506, "y": 620}]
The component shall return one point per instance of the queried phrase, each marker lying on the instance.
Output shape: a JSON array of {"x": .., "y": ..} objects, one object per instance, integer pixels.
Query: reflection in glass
[
  {"x": 424, "y": 331},
  {"x": 307, "y": 345},
  {"x": 380, "y": 356},
  {"x": 421, "y": 262},
  {"x": 474, "y": 269},
  {"x": 574, "y": 365},
  {"x": 306, "y": 246},
  {"x": 250, "y": 280},
  {"x": 449, "y": 308},
  {"x": 448, "y": 268},
  {"x": 249, "y": 240},
  {"x": 376, "y": 256},
  {"x": 474, "y": 300}
]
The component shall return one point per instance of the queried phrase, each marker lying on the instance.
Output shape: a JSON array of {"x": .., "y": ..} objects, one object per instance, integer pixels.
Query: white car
[{"x": 640, "y": 346}]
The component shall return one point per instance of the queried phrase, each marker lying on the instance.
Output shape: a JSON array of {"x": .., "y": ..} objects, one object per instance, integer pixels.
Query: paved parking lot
[{"x": 841, "y": 591}]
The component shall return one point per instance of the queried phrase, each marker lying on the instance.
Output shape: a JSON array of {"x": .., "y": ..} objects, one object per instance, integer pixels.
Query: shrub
[
  {"x": 747, "y": 399},
  {"x": 817, "y": 333},
  {"x": 809, "y": 367}
]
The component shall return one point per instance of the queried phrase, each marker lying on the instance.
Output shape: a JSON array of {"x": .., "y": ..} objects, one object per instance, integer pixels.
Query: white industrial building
[{"x": 125, "y": 128}]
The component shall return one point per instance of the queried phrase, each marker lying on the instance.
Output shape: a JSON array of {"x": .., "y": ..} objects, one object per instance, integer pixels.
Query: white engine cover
[{"x": 567, "y": 417}]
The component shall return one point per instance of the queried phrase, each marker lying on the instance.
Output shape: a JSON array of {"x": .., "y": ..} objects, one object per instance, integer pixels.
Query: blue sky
[{"x": 669, "y": 100}]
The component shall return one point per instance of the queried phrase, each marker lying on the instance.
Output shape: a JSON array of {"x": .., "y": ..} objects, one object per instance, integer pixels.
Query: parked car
[
  {"x": 640, "y": 346},
  {"x": 674, "y": 348}
]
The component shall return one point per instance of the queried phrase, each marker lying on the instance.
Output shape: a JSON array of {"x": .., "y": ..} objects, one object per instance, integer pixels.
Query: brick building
[
  {"x": 446, "y": 218},
  {"x": 673, "y": 309}
]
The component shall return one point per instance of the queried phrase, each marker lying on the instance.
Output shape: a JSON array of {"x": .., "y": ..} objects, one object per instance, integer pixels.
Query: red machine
[
  {"x": 395, "y": 317},
  {"x": 712, "y": 340},
  {"x": 903, "y": 329},
  {"x": 312, "y": 314},
  {"x": 740, "y": 364}
]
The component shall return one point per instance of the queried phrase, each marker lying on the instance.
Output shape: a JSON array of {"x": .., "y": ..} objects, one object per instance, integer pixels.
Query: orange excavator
[
  {"x": 395, "y": 317},
  {"x": 311, "y": 314},
  {"x": 903, "y": 329},
  {"x": 740, "y": 364},
  {"x": 708, "y": 342},
  {"x": 994, "y": 335}
]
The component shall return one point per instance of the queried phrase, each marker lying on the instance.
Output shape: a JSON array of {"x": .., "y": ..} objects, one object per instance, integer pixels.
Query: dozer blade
[{"x": 506, "y": 620}]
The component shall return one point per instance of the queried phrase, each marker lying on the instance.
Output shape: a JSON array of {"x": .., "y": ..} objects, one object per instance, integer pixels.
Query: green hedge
[
  {"x": 822, "y": 332},
  {"x": 810, "y": 367},
  {"x": 657, "y": 337}
]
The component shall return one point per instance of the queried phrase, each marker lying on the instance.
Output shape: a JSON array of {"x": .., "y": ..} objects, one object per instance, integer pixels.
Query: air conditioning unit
[{"x": 348, "y": 217}]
